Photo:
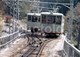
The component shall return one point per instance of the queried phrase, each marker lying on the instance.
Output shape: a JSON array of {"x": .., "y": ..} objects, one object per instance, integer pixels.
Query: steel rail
[
  {"x": 15, "y": 53},
  {"x": 32, "y": 50},
  {"x": 27, "y": 50},
  {"x": 41, "y": 42},
  {"x": 32, "y": 46},
  {"x": 33, "y": 42},
  {"x": 37, "y": 37},
  {"x": 42, "y": 47}
]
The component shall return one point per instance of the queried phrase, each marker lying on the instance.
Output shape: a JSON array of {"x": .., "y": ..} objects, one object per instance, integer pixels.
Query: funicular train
[
  {"x": 46, "y": 22},
  {"x": 33, "y": 21}
]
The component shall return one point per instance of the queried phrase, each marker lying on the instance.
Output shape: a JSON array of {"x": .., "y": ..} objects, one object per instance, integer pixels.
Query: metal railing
[
  {"x": 70, "y": 50},
  {"x": 4, "y": 40},
  {"x": 7, "y": 39}
]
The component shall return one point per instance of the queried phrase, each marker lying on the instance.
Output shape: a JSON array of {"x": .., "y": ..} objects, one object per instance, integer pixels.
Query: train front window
[
  {"x": 58, "y": 19},
  {"x": 43, "y": 18},
  {"x": 29, "y": 18},
  {"x": 51, "y": 19},
  {"x": 35, "y": 19}
]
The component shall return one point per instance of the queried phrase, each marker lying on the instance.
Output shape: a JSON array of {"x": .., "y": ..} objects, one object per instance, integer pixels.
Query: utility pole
[
  {"x": 14, "y": 12},
  {"x": 70, "y": 26},
  {"x": 10, "y": 21},
  {"x": 78, "y": 36},
  {"x": 70, "y": 22},
  {"x": 18, "y": 11}
]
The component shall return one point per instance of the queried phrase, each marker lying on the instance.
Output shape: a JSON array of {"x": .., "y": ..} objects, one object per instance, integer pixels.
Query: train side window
[
  {"x": 29, "y": 18},
  {"x": 58, "y": 19},
  {"x": 43, "y": 18}
]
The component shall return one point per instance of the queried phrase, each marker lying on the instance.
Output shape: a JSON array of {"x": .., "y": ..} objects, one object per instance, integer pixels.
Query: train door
[
  {"x": 50, "y": 23},
  {"x": 58, "y": 24},
  {"x": 43, "y": 23}
]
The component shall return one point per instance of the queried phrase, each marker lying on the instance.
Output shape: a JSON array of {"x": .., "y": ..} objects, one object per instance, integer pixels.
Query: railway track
[{"x": 33, "y": 47}]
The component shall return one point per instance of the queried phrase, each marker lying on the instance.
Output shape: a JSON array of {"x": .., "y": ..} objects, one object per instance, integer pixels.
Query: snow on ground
[
  {"x": 13, "y": 47},
  {"x": 4, "y": 34},
  {"x": 54, "y": 48}
]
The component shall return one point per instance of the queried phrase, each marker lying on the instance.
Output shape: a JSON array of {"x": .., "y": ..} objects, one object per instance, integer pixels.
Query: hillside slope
[{"x": 76, "y": 21}]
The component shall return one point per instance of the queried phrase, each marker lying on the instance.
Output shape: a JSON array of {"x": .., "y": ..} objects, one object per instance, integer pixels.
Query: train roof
[
  {"x": 51, "y": 13},
  {"x": 36, "y": 14}
]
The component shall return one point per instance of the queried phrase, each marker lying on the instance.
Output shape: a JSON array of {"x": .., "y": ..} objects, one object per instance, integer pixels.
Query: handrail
[
  {"x": 70, "y": 50},
  {"x": 4, "y": 37},
  {"x": 8, "y": 35},
  {"x": 73, "y": 47},
  {"x": 9, "y": 38}
]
